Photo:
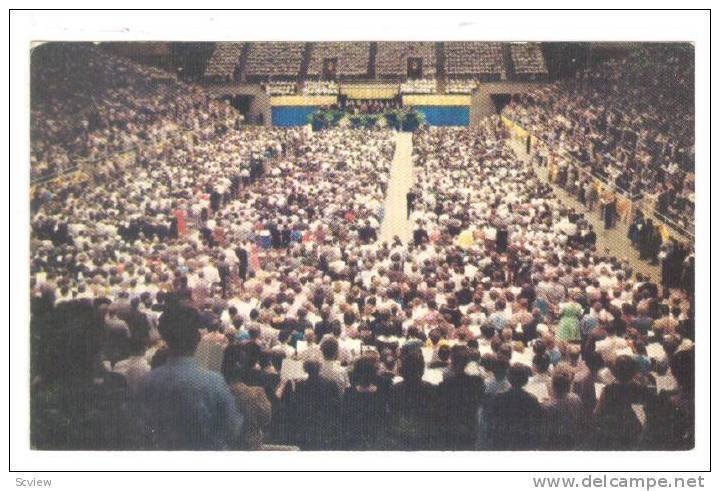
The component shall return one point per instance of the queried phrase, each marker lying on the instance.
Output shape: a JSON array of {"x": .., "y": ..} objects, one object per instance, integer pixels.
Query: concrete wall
[
  {"x": 482, "y": 105},
  {"x": 259, "y": 104}
]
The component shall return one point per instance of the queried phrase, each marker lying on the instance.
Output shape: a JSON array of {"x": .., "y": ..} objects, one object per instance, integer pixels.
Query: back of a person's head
[
  {"x": 443, "y": 352},
  {"x": 72, "y": 341},
  {"x": 518, "y": 375},
  {"x": 459, "y": 357},
  {"x": 561, "y": 384},
  {"x": 312, "y": 368},
  {"x": 412, "y": 365},
  {"x": 541, "y": 362},
  {"x": 487, "y": 331},
  {"x": 234, "y": 363},
  {"x": 624, "y": 368},
  {"x": 364, "y": 371},
  {"x": 594, "y": 361},
  {"x": 178, "y": 326},
  {"x": 682, "y": 366},
  {"x": 329, "y": 349},
  {"x": 254, "y": 332},
  {"x": 336, "y": 329},
  {"x": 499, "y": 366}
]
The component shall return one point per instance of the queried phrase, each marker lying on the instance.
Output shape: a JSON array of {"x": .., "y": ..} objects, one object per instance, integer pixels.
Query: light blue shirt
[
  {"x": 499, "y": 320},
  {"x": 188, "y": 407}
]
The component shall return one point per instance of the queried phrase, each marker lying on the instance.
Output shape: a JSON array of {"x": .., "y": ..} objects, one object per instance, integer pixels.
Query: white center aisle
[{"x": 395, "y": 222}]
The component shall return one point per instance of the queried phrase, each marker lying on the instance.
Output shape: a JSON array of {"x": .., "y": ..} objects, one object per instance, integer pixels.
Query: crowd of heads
[
  {"x": 627, "y": 120},
  {"x": 230, "y": 291}
]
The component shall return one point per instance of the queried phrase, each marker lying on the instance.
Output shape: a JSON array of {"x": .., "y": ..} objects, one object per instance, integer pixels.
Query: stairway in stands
[
  {"x": 304, "y": 65},
  {"x": 440, "y": 66},
  {"x": 509, "y": 65},
  {"x": 371, "y": 62},
  {"x": 243, "y": 60}
]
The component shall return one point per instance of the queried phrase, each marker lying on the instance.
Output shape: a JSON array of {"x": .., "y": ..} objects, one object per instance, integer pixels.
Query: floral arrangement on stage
[{"x": 404, "y": 119}]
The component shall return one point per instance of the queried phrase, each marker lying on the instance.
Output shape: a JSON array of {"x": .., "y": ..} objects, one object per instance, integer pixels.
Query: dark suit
[
  {"x": 420, "y": 236},
  {"x": 367, "y": 234},
  {"x": 515, "y": 420},
  {"x": 460, "y": 396},
  {"x": 242, "y": 256},
  {"x": 315, "y": 415}
]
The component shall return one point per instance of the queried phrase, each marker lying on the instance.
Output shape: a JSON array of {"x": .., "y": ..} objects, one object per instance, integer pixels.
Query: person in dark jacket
[
  {"x": 461, "y": 395},
  {"x": 314, "y": 411},
  {"x": 364, "y": 410},
  {"x": 242, "y": 255},
  {"x": 413, "y": 404},
  {"x": 515, "y": 419}
]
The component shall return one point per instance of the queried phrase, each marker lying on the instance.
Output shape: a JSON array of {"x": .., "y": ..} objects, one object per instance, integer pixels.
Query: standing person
[
  {"x": 501, "y": 240},
  {"x": 252, "y": 401},
  {"x": 616, "y": 424},
  {"x": 224, "y": 272},
  {"x": 364, "y": 411},
  {"x": 420, "y": 235},
  {"x": 242, "y": 255},
  {"x": 215, "y": 198},
  {"x": 565, "y": 415},
  {"x": 314, "y": 411},
  {"x": 592, "y": 195},
  {"x": 410, "y": 197},
  {"x": 83, "y": 406},
  {"x": 412, "y": 406},
  {"x": 180, "y": 217},
  {"x": 609, "y": 212},
  {"x": 515, "y": 419},
  {"x": 185, "y": 406},
  {"x": 460, "y": 395}
]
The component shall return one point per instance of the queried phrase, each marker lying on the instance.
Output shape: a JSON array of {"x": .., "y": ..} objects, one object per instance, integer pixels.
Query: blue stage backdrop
[
  {"x": 291, "y": 115},
  {"x": 446, "y": 115}
]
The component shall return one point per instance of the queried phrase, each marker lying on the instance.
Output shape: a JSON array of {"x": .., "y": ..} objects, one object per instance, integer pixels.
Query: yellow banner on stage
[
  {"x": 303, "y": 100},
  {"x": 436, "y": 100},
  {"x": 369, "y": 91}
]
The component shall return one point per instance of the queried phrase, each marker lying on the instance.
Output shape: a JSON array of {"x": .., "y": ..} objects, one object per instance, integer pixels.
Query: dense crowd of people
[
  {"x": 230, "y": 292},
  {"x": 629, "y": 121},
  {"x": 649, "y": 236}
]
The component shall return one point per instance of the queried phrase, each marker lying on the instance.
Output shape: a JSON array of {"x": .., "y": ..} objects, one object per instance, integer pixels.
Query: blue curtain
[
  {"x": 291, "y": 115},
  {"x": 446, "y": 115}
]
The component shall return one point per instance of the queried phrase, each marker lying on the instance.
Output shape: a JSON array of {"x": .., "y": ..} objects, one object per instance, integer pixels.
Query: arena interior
[{"x": 362, "y": 246}]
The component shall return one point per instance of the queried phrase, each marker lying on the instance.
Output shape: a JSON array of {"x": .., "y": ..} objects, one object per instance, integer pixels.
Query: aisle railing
[{"x": 636, "y": 202}]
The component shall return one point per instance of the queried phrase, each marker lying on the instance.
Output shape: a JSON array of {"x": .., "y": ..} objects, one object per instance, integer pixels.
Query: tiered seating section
[
  {"x": 391, "y": 60},
  {"x": 353, "y": 58},
  {"x": 117, "y": 106},
  {"x": 472, "y": 59},
  {"x": 528, "y": 59},
  {"x": 224, "y": 61},
  {"x": 460, "y": 86},
  {"x": 628, "y": 121},
  {"x": 482, "y": 61},
  {"x": 422, "y": 86},
  {"x": 314, "y": 87},
  {"x": 280, "y": 88},
  {"x": 275, "y": 59}
]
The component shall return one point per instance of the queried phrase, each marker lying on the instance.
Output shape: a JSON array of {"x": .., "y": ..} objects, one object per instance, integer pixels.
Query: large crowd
[
  {"x": 230, "y": 292},
  {"x": 629, "y": 121}
]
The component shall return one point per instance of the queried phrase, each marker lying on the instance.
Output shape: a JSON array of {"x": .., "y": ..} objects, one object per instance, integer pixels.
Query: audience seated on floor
[{"x": 229, "y": 290}]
